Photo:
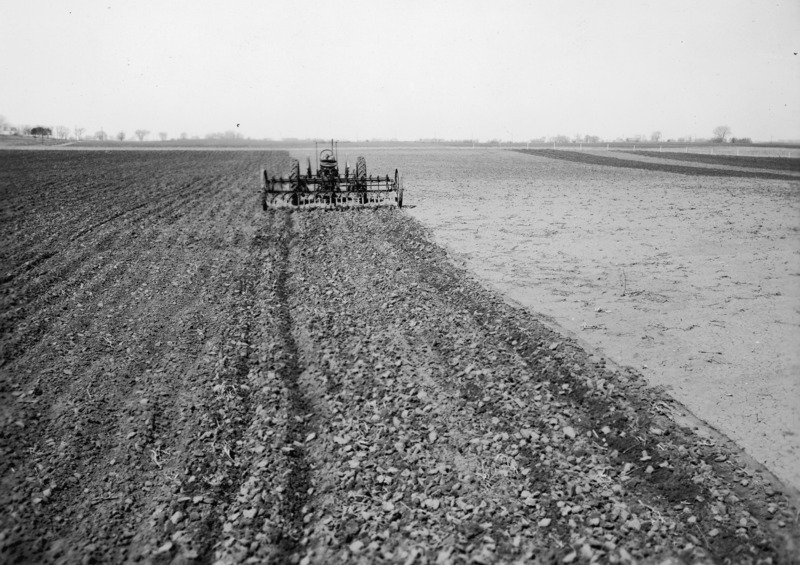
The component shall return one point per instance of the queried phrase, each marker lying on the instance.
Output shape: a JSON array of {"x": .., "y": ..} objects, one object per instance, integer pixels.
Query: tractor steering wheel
[{"x": 326, "y": 155}]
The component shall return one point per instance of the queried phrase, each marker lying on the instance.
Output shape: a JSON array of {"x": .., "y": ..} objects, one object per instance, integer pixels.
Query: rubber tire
[
  {"x": 361, "y": 178},
  {"x": 294, "y": 174}
]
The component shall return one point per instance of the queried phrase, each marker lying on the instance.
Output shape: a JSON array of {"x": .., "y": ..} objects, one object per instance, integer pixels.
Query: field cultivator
[{"x": 328, "y": 187}]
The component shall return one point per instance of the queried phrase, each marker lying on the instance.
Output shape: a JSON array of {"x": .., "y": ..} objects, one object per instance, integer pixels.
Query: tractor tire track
[{"x": 299, "y": 411}]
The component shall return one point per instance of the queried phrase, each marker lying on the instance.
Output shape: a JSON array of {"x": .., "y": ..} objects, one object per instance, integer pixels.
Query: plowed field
[{"x": 186, "y": 378}]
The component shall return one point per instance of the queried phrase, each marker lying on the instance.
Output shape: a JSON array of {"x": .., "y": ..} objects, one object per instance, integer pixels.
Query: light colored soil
[{"x": 693, "y": 281}]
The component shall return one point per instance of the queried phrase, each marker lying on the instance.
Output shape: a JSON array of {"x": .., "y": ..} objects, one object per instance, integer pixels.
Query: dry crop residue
[{"x": 189, "y": 379}]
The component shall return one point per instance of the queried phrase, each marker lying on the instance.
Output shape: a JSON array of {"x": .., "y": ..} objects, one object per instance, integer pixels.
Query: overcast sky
[{"x": 404, "y": 69}]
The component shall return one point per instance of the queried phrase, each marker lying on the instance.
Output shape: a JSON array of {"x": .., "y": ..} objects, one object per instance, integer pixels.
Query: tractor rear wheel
[
  {"x": 361, "y": 168},
  {"x": 361, "y": 178},
  {"x": 294, "y": 181},
  {"x": 294, "y": 174}
]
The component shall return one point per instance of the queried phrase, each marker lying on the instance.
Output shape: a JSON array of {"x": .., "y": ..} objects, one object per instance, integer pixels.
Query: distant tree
[
  {"x": 720, "y": 133},
  {"x": 141, "y": 134},
  {"x": 121, "y": 136},
  {"x": 655, "y": 136},
  {"x": 25, "y": 129},
  {"x": 101, "y": 135},
  {"x": 183, "y": 135},
  {"x": 79, "y": 132},
  {"x": 162, "y": 135},
  {"x": 3, "y": 122},
  {"x": 41, "y": 131},
  {"x": 559, "y": 139},
  {"x": 62, "y": 132}
]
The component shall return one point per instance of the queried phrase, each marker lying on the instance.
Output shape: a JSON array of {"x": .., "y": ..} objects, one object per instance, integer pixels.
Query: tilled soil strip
[{"x": 594, "y": 159}]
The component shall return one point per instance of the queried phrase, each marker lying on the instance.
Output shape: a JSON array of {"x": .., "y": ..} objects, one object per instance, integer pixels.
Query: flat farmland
[
  {"x": 690, "y": 277},
  {"x": 187, "y": 378}
]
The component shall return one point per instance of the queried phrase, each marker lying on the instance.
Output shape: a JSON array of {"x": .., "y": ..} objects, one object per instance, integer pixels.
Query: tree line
[
  {"x": 78, "y": 133},
  {"x": 721, "y": 134}
]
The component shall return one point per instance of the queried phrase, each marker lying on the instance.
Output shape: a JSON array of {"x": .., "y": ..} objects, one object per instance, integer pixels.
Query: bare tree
[
  {"x": 655, "y": 136},
  {"x": 720, "y": 133},
  {"x": 101, "y": 135},
  {"x": 121, "y": 136},
  {"x": 162, "y": 135},
  {"x": 79, "y": 132},
  {"x": 3, "y": 122},
  {"x": 141, "y": 134},
  {"x": 184, "y": 136},
  {"x": 62, "y": 132}
]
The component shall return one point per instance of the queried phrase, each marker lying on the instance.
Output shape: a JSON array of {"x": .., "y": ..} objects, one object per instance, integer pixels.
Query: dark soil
[
  {"x": 774, "y": 163},
  {"x": 594, "y": 159},
  {"x": 186, "y": 378}
]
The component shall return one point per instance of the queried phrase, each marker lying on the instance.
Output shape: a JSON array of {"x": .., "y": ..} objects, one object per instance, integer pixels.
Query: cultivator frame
[{"x": 327, "y": 188}]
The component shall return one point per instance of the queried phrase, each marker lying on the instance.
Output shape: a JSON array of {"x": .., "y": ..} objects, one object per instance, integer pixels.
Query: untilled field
[{"x": 186, "y": 378}]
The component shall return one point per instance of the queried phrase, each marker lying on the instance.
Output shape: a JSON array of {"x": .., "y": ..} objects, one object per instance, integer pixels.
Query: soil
[
  {"x": 773, "y": 163},
  {"x": 186, "y": 378},
  {"x": 691, "y": 280},
  {"x": 594, "y": 158}
]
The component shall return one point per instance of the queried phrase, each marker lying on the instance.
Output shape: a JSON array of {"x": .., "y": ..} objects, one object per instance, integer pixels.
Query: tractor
[{"x": 328, "y": 187}]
